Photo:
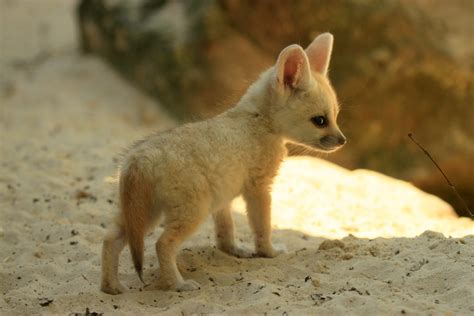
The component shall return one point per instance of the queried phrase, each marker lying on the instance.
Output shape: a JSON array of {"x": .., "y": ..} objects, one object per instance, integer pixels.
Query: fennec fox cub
[{"x": 197, "y": 169}]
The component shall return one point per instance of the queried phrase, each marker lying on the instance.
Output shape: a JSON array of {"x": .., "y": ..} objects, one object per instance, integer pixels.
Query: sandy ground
[{"x": 358, "y": 242}]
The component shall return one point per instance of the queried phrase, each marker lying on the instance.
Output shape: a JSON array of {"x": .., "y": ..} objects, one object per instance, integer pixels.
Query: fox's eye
[{"x": 319, "y": 121}]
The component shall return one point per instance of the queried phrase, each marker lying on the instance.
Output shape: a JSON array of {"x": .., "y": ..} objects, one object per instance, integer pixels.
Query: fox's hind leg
[
  {"x": 113, "y": 244},
  {"x": 224, "y": 227},
  {"x": 179, "y": 225}
]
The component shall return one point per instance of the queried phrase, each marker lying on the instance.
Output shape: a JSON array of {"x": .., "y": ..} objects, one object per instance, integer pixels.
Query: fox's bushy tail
[{"x": 136, "y": 199}]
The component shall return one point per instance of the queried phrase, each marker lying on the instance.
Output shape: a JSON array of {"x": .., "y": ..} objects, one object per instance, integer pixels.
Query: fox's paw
[
  {"x": 239, "y": 252},
  {"x": 242, "y": 252},
  {"x": 272, "y": 251},
  {"x": 113, "y": 289},
  {"x": 188, "y": 285}
]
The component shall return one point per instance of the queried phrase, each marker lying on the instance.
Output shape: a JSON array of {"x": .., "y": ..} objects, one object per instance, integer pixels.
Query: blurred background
[{"x": 398, "y": 66}]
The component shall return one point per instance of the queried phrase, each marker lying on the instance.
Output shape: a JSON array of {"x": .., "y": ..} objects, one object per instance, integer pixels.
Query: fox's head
[{"x": 305, "y": 107}]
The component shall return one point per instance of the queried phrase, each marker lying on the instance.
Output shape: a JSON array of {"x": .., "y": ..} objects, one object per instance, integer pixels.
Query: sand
[{"x": 358, "y": 242}]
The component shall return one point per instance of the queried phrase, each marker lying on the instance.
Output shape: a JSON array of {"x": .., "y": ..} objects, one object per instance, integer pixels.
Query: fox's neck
[
  {"x": 257, "y": 104},
  {"x": 258, "y": 94}
]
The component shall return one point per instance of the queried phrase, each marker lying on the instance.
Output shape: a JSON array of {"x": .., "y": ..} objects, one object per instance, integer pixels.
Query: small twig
[{"x": 410, "y": 135}]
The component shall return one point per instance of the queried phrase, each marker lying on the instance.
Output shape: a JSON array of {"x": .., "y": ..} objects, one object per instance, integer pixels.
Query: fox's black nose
[
  {"x": 333, "y": 140},
  {"x": 341, "y": 140}
]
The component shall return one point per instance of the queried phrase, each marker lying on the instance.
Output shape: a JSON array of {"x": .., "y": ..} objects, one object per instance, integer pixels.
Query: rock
[
  {"x": 432, "y": 235},
  {"x": 182, "y": 52},
  {"x": 392, "y": 69}
]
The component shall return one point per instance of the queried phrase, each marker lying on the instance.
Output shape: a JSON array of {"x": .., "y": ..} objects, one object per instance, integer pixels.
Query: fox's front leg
[
  {"x": 224, "y": 226},
  {"x": 259, "y": 215}
]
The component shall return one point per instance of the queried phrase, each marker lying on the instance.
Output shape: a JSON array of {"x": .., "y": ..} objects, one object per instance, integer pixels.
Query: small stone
[
  {"x": 45, "y": 301},
  {"x": 432, "y": 235},
  {"x": 321, "y": 268},
  {"x": 316, "y": 282},
  {"x": 329, "y": 244},
  {"x": 347, "y": 256}
]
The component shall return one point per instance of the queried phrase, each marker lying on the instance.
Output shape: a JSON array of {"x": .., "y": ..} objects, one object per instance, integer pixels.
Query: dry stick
[{"x": 444, "y": 175}]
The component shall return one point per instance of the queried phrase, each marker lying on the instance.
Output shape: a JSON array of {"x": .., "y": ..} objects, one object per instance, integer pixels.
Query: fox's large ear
[
  {"x": 292, "y": 68},
  {"x": 319, "y": 53}
]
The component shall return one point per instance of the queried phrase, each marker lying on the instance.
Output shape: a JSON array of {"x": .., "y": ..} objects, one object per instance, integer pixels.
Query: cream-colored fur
[{"x": 185, "y": 174}]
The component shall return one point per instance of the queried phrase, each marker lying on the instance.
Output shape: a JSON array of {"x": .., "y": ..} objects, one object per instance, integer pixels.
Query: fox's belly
[{"x": 222, "y": 197}]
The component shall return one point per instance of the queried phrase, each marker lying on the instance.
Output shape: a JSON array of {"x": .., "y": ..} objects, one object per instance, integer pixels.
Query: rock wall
[{"x": 391, "y": 67}]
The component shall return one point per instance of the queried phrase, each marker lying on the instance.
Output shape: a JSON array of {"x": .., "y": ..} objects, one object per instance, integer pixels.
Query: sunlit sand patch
[{"x": 322, "y": 199}]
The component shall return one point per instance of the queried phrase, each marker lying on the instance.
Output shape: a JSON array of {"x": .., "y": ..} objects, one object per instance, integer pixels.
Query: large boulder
[{"x": 391, "y": 67}]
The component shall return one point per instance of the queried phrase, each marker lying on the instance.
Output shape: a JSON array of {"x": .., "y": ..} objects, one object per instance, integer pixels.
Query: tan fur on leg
[
  {"x": 114, "y": 242},
  {"x": 259, "y": 215},
  {"x": 224, "y": 227},
  {"x": 167, "y": 247}
]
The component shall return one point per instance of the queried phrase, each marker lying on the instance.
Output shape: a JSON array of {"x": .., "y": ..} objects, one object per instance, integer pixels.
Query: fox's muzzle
[{"x": 330, "y": 141}]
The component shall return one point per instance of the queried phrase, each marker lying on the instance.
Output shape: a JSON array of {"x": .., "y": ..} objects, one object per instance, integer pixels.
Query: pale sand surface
[{"x": 65, "y": 119}]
